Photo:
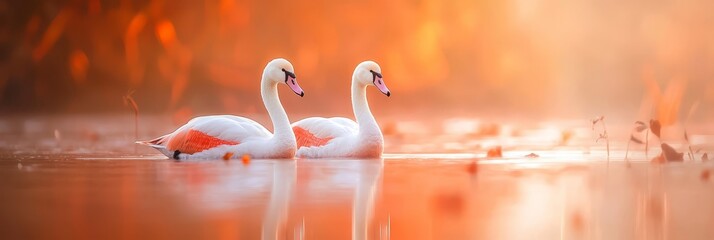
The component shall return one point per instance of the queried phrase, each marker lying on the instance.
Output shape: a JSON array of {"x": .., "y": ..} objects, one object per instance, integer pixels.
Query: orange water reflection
[
  {"x": 74, "y": 177},
  {"x": 400, "y": 198}
]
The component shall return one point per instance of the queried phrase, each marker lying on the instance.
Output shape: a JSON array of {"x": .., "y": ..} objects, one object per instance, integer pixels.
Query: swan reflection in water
[
  {"x": 332, "y": 178},
  {"x": 276, "y": 215},
  {"x": 280, "y": 199}
]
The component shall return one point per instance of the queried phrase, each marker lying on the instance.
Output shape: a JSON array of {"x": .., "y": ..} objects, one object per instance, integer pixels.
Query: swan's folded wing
[
  {"x": 316, "y": 131},
  {"x": 347, "y": 123},
  {"x": 326, "y": 127},
  {"x": 207, "y": 132}
]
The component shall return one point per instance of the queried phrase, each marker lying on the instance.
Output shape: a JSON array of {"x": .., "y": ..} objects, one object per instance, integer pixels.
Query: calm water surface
[{"x": 83, "y": 183}]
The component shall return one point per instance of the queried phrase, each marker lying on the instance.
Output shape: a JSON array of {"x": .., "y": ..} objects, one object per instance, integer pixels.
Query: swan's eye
[
  {"x": 375, "y": 75},
  {"x": 288, "y": 74}
]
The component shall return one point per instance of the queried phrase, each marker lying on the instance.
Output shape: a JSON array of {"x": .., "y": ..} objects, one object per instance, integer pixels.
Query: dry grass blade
[
  {"x": 640, "y": 126},
  {"x": 636, "y": 140},
  {"x": 686, "y": 137},
  {"x": 596, "y": 120},
  {"x": 690, "y": 153},
  {"x": 602, "y": 136},
  {"x": 129, "y": 101},
  {"x": 655, "y": 127}
]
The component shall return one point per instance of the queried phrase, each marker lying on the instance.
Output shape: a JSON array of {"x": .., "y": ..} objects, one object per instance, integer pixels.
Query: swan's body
[
  {"x": 341, "y": 137},
  {"x": 215, "y": 137}
]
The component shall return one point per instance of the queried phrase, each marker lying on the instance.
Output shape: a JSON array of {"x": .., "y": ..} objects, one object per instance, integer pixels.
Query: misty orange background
[{"x": 628, "y": 59}]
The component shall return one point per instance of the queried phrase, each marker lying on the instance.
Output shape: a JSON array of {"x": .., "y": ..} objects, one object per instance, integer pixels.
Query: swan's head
[
  {"x": 281, "y": 71},
  {"x": 369, "y": 73}
]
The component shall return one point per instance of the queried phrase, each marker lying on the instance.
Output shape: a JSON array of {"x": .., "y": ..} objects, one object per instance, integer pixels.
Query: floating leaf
[
  {"x": 494, "y": 152},
  {"x": 655, "y": 127},
  {"x": 227, "y": 156},
  {"x": 246, "y": 159},
  {"x": 670, "y": 154},
  {"x": 640, "y": 126},
  {"x": 636, "y": 140},
  {"x": 705, "y": 174},
  {"x": 472, "y": 168},
  {"x": 565, "y": 136}
]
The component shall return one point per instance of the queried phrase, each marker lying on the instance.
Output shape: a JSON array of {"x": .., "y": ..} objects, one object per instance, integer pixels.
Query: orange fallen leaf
[
  {"x": 227, "y": 156},
  {"x": 495, "y": 152},
  {"x": 246, "y": 159},
  {"x": 705, "y": 175},
  {"x": 565, "y": 137},
  {"x": 472, "y": 168}
]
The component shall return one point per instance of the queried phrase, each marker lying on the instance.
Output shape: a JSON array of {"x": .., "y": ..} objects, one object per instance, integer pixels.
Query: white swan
[
  {"x": 341, "y": 137},
  {"x": 212, "y": 137}
]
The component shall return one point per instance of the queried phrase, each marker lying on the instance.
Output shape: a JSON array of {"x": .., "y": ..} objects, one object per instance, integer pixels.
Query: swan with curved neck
[
  {"x": 222, "y": 136},
  {"x": 341, "y": 137}
]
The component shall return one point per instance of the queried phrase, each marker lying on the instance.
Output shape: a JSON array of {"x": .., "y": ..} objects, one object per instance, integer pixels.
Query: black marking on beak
[
  {"x": 302, "y": 94},
  {"x": 176, "y": 154},
  {"x": 375, "y": 75},
  {"x": 389, "y": 93},
  {"x": 289, "y": 74}
]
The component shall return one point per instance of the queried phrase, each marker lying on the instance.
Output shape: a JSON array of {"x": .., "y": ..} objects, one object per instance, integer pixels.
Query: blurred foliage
[{"x": 572, "y": 58}]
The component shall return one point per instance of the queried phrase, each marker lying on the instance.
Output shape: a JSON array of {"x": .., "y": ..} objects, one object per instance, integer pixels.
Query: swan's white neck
[
  {"x": 281, "y": 125},
  {"x": 367, "y": 124}
]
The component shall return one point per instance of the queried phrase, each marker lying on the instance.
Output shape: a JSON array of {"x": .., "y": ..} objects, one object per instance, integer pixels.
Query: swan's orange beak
[
  {"x": 292, "y": 83},
  {"x": 379, "y": 83}
]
